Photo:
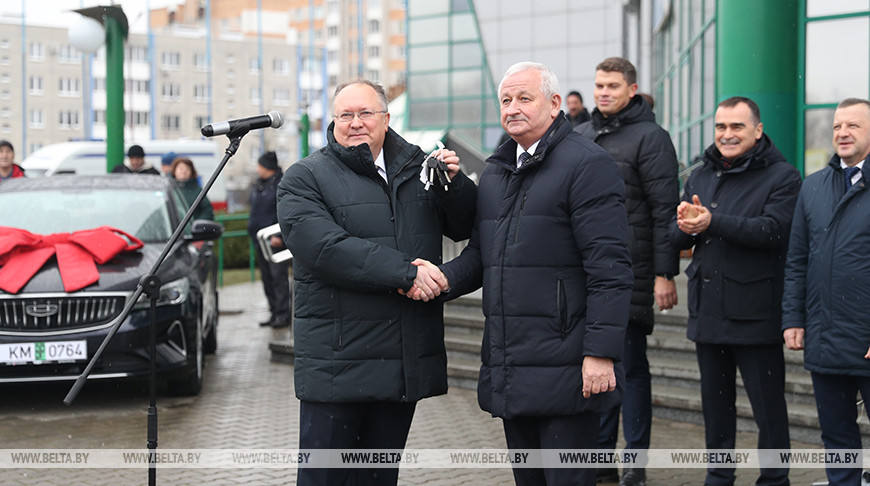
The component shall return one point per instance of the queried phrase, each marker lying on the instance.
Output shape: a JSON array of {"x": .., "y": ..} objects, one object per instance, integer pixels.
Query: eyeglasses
[{"x": 363, "y": 115}]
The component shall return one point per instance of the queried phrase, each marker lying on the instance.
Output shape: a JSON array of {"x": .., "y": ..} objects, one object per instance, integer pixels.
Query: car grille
[{"x": 58, "y": 313}]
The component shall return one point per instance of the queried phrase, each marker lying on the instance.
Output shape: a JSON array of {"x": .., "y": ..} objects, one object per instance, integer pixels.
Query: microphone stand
[{"x": 149, "y": 284}]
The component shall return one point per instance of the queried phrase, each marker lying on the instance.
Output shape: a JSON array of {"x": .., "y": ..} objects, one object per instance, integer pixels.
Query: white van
[{"x": 90, "y": 158}]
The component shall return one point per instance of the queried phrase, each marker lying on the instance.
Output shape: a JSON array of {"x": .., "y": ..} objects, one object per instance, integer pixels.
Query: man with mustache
[
  {"x": 736, "y": 213},
  {"x": 624, "y": 125},
  {"x": 827, "y": 284},
  {"x": 356, "y": 217}
]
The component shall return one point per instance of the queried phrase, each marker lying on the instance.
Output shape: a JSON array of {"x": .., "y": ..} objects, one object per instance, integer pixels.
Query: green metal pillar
[
  {"x": 304, "y": 127},
  {"x": 115, "y": 36},
  {"x": 756, "y": 57}
]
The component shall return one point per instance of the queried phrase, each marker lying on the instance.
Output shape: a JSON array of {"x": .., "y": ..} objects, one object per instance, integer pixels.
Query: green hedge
[{"x": 236, "y": 248}]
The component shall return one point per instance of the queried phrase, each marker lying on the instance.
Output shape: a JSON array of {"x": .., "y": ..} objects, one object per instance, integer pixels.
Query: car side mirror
[{"x": 203, "y": 229}]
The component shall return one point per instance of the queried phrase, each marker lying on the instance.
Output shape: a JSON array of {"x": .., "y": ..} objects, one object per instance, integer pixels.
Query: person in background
[
  {"x": 577, "y": 113},
  {"x": 264, "y": 212},
  {"x": 8, "y": 168},
  {"x": 827, "y": 284},
  {"x": 166, "y": 163},
  {"x": 736, "y": 212},
  {"x": 356, "y": 216},
  {"x": 623, "y": 124},
  {"x": 649, "y": 100},
  {"x": 135, "y": 163},
  {"x": 184, "y": 173}
]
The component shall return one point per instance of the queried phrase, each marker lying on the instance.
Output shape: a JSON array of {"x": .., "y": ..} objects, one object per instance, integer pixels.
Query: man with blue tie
[
  {"x": 827, "y": 284},
  {"x": 736, "y": 213}
]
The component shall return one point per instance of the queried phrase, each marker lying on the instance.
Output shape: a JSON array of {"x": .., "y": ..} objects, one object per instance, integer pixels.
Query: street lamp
[{"x": 114, "y": 21}]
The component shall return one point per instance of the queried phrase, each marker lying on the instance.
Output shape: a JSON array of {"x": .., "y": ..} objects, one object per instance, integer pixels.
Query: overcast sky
[{"x": 59, "y": 12}]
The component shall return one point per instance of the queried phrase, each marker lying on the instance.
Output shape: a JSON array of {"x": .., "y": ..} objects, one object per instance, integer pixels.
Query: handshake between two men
[{"x": 428, "y": 284}]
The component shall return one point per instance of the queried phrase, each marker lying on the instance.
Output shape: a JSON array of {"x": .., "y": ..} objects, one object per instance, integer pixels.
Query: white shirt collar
[
  {"x": 857, "y": 177},
  {"x": 531, "y": 151},
  {"x": 381, "y": 165}
]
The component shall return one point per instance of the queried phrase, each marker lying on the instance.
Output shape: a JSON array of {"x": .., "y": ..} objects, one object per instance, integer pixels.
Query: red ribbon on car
[{"x": 23, "y": 253}]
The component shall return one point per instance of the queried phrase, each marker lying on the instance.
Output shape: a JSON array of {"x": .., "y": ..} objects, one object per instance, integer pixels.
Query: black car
[{"x": 48, "y": 334}]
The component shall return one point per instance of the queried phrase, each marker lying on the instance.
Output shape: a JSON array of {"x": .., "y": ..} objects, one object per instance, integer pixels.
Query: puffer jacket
[
  {"x": 648, "y": 162},
  {"x": 353, "y": 238},
  {"x": 264, "y": 203},
  {"x": 550, "y": 248},
  {"x": 827, "y": 276},
  {"x": 735, "y": 278}
]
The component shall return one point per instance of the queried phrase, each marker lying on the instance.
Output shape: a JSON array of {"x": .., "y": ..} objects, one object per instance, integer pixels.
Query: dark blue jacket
[
  {"x": 827, "y": 278},
  {"x": 735, "y": 278},
  {"x": 353, "y": 238},
  {"x": 550, "y": 247},
  {"x": 648, "y": 163},
  {"x": 264, "y": 203}
]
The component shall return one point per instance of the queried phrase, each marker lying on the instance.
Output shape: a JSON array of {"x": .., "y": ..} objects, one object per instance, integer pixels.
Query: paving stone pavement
[{"x": 248, "y": 403}]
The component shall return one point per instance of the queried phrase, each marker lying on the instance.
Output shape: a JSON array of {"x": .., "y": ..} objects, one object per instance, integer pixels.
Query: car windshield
[{"x": 138, "y": 212}]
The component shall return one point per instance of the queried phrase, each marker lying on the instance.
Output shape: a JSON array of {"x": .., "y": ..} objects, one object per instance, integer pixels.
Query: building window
[
  {"x": 37, "y": 119},
  {"x": 171, "y": 60},
  {"x": 255, "y": 96},
  {"x": 136, "y": 53},
  {"x": 332, "y": 31},
  {"x": 68, "y": 54},
  {"x": 5, "y": 79},
  {"x": 137, "y": 118},
  {"x": 37, "y": 52},
  {"x": 374, "y": 52},
  {"x": 200, "y": 62},
  {"x": 374, "y": 26},
  {"x": 171, "y": 92},
  {"x": 171, "y": 122},
  {"x": 99, "y": 84},
  {"x": 69, "y": 87},
  {"x": 254, "y": 65},
  {"x": 281, "y": 66},
  {"x": 137, "y": 86},
  {"x": 100, "y": 116},
  {"x": 4, "y": 43},
  {"x": 200, "y": 93},
  {"x": 200, "y": 121},
  {"x": 68, "y": 119},
  {"x": 35, "y": 85},
  {"x": 332, "y": 56},
  {"x": 281, "y": 97},
  {"x": 374, "y": 76}
]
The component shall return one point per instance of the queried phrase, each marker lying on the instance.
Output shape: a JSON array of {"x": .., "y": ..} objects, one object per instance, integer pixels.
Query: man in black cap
[
  {"x": 135, "y": 163},
  {"x": 8, "y": 167},
  {"x": 264, "y": 212}
]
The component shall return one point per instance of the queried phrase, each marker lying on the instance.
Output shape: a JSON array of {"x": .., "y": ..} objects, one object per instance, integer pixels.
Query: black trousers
[
  {"x": 763, "y": 370},
  {"x": 836, "y": 403},
  {"x": 276, "y": 285},
  {"x": 367, "y": 425},
  {"x": 567, "y": 432}
]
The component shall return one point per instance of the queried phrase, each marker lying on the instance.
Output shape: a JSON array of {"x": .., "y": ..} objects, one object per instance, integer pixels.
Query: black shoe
[
  {"x": 633, "y": 477},
  {"x": 280, "y": 322},
  {"x": 267, "y": 323},
  {"x": 609, "y": 475}
]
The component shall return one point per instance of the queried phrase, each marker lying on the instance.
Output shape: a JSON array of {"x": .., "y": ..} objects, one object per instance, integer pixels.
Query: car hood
[{"x": 120, "y": 274}]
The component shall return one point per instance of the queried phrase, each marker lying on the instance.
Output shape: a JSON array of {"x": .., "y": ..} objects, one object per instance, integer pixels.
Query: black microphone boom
[{"x": 272, "y": 119}]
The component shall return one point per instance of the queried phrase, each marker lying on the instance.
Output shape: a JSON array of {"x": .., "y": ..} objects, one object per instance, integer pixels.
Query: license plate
[{"x": 39, "y": 353}]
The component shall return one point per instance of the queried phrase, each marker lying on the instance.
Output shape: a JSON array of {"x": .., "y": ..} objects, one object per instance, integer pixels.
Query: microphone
[{"x": 272, "y": 119}]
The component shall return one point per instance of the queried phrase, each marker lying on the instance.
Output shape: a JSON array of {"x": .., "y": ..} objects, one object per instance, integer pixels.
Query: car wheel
[
  {"x": 211, "y": 341},
  {"x": 191, "y": 384}
]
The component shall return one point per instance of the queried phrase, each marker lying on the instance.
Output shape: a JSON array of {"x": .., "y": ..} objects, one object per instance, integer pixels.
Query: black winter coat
[
  {"x": 191, "y": 189},
  {"x": 264, "y": 203},
  {"x": 827, "y": 278},
  {"x": 648, "y": 162},
  {"x": 550, "y": 247},
  {"x": 353, "y": 238},
  {"x": 736, "y": 274}
]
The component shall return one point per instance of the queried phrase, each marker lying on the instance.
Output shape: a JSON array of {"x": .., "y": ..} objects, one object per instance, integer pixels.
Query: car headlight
[{"x": 174, "y": 292}]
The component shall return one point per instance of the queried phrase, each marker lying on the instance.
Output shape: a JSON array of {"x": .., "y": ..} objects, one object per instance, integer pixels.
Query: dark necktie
[
  {"x": 524, "y": 158},
  {"x": 849, "y": 173}
]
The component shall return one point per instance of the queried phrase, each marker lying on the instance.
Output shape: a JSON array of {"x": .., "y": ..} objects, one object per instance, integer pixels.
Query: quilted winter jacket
[
  {"x": 648, "y": 162},
  {"x": 827, "y": 276},
  {"x": 353, "y": 238},
  {"x": 550, "y": 247},
  {"x": 735, "y": 278}
]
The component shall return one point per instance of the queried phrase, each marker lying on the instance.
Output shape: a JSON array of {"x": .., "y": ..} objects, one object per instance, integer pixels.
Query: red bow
[{"x": 22, "y": 254}]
